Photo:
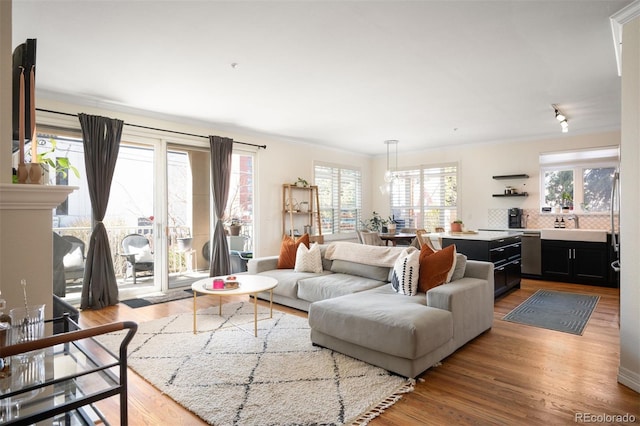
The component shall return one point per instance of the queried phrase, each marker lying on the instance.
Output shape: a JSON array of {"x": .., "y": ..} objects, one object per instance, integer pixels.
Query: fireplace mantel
[
  {"x": 26, "y": 241},
  {"x": 32, "y": 197}
]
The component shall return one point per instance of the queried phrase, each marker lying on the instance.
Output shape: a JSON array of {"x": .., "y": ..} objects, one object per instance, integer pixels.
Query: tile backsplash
[{"x": 498, "y": 219}]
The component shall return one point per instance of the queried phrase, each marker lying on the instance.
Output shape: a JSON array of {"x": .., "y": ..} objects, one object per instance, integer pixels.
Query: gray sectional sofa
[{"x": 354, "y": 310}]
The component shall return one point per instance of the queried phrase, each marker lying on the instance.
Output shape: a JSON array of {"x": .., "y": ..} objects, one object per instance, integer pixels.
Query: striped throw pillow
[{"x": 405, "y": 272}]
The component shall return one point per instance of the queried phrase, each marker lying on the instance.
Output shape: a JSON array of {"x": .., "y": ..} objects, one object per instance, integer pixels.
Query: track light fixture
[
  {"x": 565, "y": 126},
  {"x": 561, "y": 118}
]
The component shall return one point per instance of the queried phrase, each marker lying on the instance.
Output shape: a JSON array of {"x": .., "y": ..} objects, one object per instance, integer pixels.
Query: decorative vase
[
  {"x": 23, "y": 173},
  {"x": 36, "y": 173},
  {"x": 391, "y": 228}
]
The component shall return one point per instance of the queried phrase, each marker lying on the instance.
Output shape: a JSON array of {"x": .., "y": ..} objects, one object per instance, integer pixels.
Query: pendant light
[{"x": 389, "y": 174}]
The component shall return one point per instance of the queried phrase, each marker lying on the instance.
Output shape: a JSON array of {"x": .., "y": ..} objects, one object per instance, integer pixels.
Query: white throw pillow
[
  {"x": 142, "y": 254},
  {"x": 308, "y": 259},
  {"x": 73, "y": 259},
  {"x": 405, "y": 272}
]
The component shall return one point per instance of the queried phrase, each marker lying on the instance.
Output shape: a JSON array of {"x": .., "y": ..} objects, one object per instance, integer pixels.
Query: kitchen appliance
[
  {"x": 516, "y": 218},
  {"x": 531, "y": 254}
]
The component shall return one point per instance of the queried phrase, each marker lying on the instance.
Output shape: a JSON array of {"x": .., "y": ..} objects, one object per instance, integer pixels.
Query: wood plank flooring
[{"x": 512, "y": 375}]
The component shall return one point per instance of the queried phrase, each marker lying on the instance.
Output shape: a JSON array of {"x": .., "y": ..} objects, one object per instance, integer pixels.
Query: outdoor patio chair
[
  {"x": 138, "y": 254},
  {"x": 74, "y": 259}
]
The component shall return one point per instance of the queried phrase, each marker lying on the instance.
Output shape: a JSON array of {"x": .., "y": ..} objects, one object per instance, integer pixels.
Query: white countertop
[{"x": 479, "y": 235}]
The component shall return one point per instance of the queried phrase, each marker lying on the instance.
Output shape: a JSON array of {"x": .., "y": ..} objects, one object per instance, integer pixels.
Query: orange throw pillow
[
  {"x": 435, "y": 267},
  {"x": 288, "y": 249}
]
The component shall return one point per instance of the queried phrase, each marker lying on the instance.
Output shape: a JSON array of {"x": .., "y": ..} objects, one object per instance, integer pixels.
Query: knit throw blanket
[{"x": 367, "y": 255}]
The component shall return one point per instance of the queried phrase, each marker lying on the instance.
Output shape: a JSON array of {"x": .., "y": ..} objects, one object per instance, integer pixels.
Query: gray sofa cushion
[
  {"x": 326, "y": 263},
  {"x": 380, "y": 273},
  {"x": 385, "y": 321},
  {"x": 288, "y": 280},
  {"x": 333, "y": 285},
  {"x": 461, "y": 266}
]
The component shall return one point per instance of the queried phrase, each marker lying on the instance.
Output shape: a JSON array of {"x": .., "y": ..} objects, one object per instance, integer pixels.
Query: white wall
[
  {"x": 478, "y": 163},
  {"x": 283, "y": 162}
]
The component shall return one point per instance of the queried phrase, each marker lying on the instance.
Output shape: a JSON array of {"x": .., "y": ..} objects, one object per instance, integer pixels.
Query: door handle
[{"x": 616, "y": 265}]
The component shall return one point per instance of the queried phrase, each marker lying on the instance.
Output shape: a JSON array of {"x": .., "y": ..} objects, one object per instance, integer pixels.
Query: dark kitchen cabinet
[
  {"x": 575, "y": 262},
  {"x": 504, "y": 253}
]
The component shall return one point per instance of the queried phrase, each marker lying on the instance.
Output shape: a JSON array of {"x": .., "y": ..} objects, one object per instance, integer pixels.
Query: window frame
[
  {"x": 578, "y": 168},
  {"x": 336, "y": 233},
  {"x": 448, "y": 213}
]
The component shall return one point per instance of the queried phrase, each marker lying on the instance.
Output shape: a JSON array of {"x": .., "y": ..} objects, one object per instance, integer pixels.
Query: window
[
  {"x": 558, "y": 187},
  {"x": 580, "y": 180},
  {"x": 340, "y": 196},
  {"x": 240, "y": 201},
  {"x": 425, "y": 197}
]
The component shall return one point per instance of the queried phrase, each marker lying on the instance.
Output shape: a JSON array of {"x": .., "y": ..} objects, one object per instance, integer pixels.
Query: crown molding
[{"x": 618, "y": 20}]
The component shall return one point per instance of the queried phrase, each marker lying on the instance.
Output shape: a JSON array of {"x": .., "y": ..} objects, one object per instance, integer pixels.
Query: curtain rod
[{"x": 155, "y": 128}]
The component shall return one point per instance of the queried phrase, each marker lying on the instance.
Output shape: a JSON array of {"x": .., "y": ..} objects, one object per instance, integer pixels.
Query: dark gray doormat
[
  {"x": 152, "y": 300},
  {"x": 555, "y": 310}
]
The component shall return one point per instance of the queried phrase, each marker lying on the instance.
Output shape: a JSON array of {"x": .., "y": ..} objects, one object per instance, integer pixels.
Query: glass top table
[{"x": 60, "y": 377}]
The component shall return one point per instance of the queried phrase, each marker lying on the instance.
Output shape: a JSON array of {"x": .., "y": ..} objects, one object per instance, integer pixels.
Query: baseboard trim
[{"x": 629, "y": 378}]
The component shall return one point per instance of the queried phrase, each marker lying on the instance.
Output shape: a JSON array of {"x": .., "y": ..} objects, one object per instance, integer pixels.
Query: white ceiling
[{"x": 348, "y": 74}]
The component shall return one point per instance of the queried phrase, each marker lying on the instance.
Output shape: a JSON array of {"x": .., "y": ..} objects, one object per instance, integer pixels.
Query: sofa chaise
[{"x": 355, "y": 310}]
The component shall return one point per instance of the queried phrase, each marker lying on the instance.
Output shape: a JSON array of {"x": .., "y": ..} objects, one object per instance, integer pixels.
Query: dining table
[{"x": 402, "y": 238}]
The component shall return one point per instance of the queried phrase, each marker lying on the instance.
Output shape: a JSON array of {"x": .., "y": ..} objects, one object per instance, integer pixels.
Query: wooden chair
[
  {"x": 423, "y": 239},
  {"x": 371, "y": 238}
]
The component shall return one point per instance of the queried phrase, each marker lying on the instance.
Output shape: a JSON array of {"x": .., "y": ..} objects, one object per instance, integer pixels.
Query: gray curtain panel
[
  {"x": 101, "y": 140},
  {"x": 221, "y": 153}
]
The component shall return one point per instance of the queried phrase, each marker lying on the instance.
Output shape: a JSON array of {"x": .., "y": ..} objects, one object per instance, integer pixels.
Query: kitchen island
[{"x": 502, "y": 248}]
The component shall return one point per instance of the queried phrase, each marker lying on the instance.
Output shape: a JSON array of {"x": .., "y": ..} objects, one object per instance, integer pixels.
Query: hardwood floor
[{"x": 513, "y": 374}]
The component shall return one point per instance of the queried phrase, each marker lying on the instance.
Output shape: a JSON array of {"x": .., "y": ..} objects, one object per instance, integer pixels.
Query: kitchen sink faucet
[{"x": 575, "y": 219}]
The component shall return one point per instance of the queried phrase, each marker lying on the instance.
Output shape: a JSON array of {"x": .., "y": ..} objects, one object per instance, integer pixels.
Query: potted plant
[
  {"x": 234, "y": 227},
  {"x": 391, "y": 225},
  {"x": 183, "y": 238},
  {"x": 375, "y": 223},
  {"x": 301, "y": 183},
  {"x": 456, "y": 226},
  {"x": 567, "y": 202}
]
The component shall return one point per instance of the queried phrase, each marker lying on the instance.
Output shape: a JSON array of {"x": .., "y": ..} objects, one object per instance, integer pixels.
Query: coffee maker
[{"x": 515, "y": 218}]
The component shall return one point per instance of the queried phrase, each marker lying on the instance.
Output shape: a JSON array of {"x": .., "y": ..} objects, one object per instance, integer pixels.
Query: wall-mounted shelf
[
  {"x": 502, "y": 177},
  {"x": 522, "y": 194}
]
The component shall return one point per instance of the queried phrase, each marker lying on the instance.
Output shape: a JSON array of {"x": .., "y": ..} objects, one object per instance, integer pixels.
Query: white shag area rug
[{"x": 227, "y": 376}]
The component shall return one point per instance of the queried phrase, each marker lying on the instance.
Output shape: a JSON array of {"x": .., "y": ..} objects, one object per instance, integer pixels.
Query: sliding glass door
[
  {"x": 159, "y": 217},
  {"x": 130, "y": 218},
  {"x": 189, "y": 212}
]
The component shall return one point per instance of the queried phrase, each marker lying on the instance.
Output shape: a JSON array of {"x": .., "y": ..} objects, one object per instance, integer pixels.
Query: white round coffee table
[{"x": 249, "y": 284}]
